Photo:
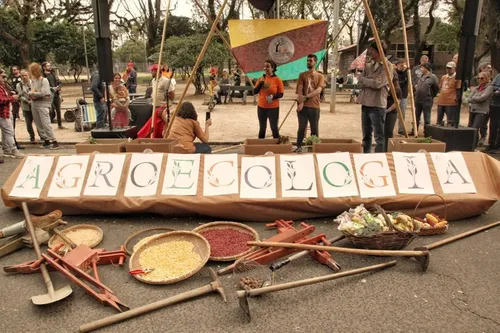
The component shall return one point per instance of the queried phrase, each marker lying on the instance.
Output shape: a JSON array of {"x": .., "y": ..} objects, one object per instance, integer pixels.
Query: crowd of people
[
  {"x": 378, "y": 112},
  {"x": 35, "y": 92}
]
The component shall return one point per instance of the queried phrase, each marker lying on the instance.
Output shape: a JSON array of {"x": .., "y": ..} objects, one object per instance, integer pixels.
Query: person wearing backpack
[{"x": 427, "y": 88}]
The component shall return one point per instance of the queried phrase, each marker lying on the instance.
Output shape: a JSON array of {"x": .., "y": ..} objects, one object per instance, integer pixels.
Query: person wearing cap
[
  {"x": 425, "y": 91},
  {"x": 373, "y": 100},
  {"x": 164, "y": 85},
  {"x": 447, "y": 100},
  {"x": 8, "y": 144},
  {"x": 131, "y": 83}
]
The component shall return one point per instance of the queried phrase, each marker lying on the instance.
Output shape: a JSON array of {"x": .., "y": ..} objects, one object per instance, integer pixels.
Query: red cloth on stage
[{"x": 158, "y": 126}]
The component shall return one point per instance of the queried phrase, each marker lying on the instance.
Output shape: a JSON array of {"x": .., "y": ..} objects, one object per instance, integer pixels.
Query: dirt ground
[{"x": 235, "y": 122}]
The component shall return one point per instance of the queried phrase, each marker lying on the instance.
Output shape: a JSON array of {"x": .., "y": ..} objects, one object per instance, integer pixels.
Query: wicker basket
[
  {"x": 232, "y": 225},
  {"x": 55, "y": 239},
  {"x": 201, "y": 247},
  {"x": 393, "y": 239},
  {"x": 433, "y": 231}
]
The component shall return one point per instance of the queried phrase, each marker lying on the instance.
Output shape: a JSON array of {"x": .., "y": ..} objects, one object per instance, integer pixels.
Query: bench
[{"x": 239, "y": 92}]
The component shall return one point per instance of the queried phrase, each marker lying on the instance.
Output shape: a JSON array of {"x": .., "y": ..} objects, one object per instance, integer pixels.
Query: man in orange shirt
[
  {"x": 447, "y": 100},
  {"x": 309, "y": 87}
]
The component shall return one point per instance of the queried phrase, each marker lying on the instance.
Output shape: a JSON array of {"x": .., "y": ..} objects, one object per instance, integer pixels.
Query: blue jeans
[
  {"x": 132, "y": 89},
  {"x": 403, "y": 103},
  {"x": 425, "y": 108},
  {"x": 100, "y": 110},
  {"x": 202, "y": 148},
  {"x": 373, "y": 121}
]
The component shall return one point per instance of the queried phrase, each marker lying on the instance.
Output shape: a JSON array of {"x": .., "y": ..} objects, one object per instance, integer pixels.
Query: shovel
[{"x": 53, "y": 295}]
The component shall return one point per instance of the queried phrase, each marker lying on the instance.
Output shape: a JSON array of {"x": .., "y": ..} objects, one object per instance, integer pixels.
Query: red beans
[{"x": 227, "y": 242}]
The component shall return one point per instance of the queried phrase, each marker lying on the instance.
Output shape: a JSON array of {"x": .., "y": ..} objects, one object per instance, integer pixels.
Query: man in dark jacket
[
  {"x": 55, "y": 90},
  {"x": 402, "y": 71},
  {"x": 98, "y": 91},
  {"x": 425, "y": 91}
]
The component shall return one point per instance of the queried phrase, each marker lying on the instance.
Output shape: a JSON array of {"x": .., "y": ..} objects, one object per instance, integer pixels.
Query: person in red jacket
[{"x": 8, "y": 143}]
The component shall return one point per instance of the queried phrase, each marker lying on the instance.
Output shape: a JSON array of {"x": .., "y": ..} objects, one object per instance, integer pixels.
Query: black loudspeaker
[
  {"x": 461, "y": 139},
  {"x": 141, "y": 111},
  {"x": 101, "y": 18},
  {"x": 104, "y": 59},
  {"x": 468, "y": 36}
]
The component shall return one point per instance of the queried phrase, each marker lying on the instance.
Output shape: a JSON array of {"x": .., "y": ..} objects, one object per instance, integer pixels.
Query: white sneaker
[{"x": 14, "y": 154}]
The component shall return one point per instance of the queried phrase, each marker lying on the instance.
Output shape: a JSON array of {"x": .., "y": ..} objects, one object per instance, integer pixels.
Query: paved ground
[{"x": 458, "y": 293}]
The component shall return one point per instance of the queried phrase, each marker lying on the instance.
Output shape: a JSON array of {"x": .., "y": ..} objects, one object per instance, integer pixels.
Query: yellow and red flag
[{"x": 286, "y": 42}]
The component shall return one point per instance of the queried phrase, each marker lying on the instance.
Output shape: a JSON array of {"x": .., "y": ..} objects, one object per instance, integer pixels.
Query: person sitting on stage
[{"x": 186, "y": 129}]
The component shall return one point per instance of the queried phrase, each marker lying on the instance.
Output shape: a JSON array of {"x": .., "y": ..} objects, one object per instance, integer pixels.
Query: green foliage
[
  {"x": 425, "y": 140},
  {"x": 445, "y": 36},
  {"x": 130, "y": 50},
  {"x": 65, "y": 41},
  {"x": 9, "y": 52},
  {"x": 312, "y": 139}
]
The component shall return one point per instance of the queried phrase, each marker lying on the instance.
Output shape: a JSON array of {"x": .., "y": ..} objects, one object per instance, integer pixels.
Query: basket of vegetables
[
  {"x": 432, "y": 224},
  {"x": 375, "y": 229}
]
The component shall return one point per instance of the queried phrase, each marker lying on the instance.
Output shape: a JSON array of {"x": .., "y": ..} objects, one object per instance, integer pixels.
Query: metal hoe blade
[
  {"x": 243, "y": 300},
  {"x": 58, "y": 295}
]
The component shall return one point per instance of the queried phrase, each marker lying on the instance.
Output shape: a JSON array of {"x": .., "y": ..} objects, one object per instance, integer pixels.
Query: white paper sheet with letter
[{"x": 374, "y": 175}]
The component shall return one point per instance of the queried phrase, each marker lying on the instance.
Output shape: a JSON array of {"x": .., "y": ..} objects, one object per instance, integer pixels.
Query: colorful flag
[{"x": 287, "y": 42}]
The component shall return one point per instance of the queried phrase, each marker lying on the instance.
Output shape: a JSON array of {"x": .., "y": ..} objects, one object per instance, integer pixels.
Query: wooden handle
[
  {"x": 460, "y": 236},
  {"x": 64, "y": 238},
  {"x": 31, "y": 230},
  {"x": 36, "y": 247},
  {"x": 384, "y": 253},
  {"x": 89, "y": 327},
  {"x": 300, "y": 283},
  {"x": 388, "y": 73}
]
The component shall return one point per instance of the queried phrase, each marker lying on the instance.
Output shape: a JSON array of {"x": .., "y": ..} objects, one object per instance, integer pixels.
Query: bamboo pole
[
  {"x": 327, "y": 48},
  {"x": 386, "y": 65},
  {"x": 226, "y": 148},
  {"x": 407, "y": 58},
  {"x": 381, "y": 253},
  {"x": 226, "y": 43},
  {"x": 196, "y": 65},
  {"x": 158, "y": 72}
]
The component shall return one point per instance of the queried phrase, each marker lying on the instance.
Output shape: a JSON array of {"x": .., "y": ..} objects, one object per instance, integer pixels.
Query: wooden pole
[
  {"x": 306, "y": 282},
  {"x": 196, "y": 65},
  {"x": 333, "y": 95},
  {"x": 407, "y": 58},
  {"x": 388, "y": 72},
  {"x": 158, "y": 72},
  {"x": 382, "y": 253},
  {"x": 226, "y": 43},
  {"x": 226, "y": 148},
  {"x": 327, "y": 48},
  {"x": 459, "y": 236}
]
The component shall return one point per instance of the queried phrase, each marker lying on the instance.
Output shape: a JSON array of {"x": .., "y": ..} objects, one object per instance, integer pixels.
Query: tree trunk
[
  {"x": 416, "y": 29},
  {"x": 199, "y": 81}
]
